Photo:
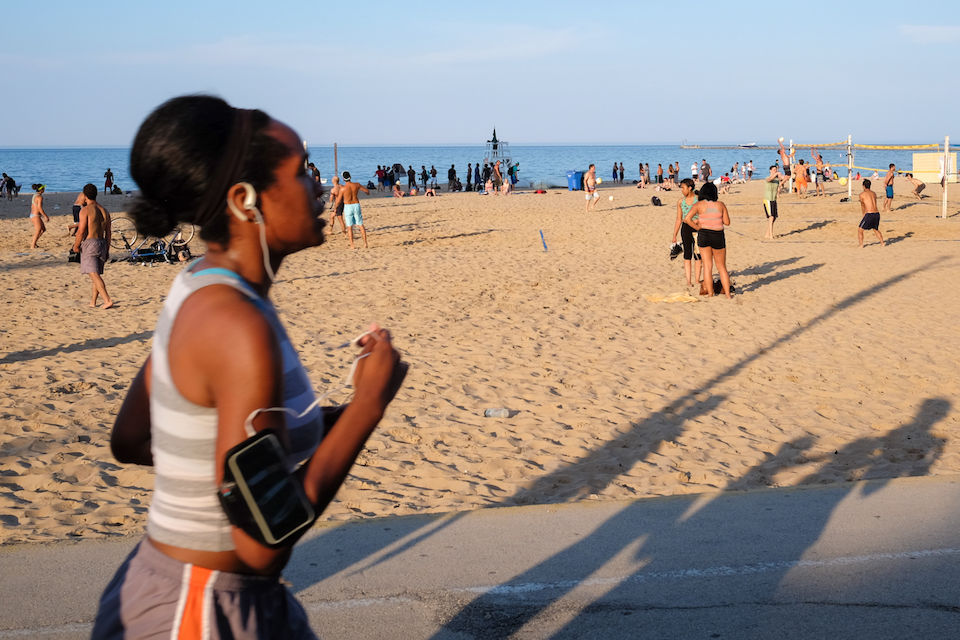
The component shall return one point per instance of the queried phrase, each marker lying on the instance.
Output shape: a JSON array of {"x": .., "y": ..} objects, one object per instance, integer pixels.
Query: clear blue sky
[{"x": 87, "y": 73}]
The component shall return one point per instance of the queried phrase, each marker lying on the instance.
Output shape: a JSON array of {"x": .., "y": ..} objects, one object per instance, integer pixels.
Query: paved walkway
[{"x": 871, "y": 560}]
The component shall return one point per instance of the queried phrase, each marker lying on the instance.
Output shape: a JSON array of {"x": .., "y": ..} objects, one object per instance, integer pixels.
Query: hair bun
[{"x": 152, "y": 217}]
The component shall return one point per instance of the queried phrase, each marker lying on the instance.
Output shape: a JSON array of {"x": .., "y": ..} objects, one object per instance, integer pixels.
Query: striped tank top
[
  {"x": 185, "y": 511},
  {"x": 711, "y": 217}
]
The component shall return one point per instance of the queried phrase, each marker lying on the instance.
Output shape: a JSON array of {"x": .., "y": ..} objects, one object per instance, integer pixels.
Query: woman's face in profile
[{"x": 291, "y": 209}]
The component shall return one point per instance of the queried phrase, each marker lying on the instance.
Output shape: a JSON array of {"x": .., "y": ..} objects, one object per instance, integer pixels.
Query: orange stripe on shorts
[{"x": 191, "y": 622}]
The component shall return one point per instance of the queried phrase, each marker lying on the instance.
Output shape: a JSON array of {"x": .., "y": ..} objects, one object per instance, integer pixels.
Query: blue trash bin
[{"x": 574, "y": 180}]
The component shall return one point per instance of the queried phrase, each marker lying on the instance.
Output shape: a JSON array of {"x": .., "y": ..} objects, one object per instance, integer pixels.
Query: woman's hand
[{"x": 379, "y": 371}]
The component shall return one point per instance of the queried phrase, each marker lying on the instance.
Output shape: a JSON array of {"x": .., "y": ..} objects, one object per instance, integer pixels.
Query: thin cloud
[{"x": 931, "y": 34}]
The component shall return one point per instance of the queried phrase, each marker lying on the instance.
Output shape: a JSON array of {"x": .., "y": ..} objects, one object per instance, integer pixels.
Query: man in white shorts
[{"x": 590, "y": 187}]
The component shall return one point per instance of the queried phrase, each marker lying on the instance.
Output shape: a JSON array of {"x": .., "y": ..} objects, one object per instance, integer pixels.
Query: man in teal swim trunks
[
  {"x": 888, "y": 184},
  {"x": 352, "y": 216}
]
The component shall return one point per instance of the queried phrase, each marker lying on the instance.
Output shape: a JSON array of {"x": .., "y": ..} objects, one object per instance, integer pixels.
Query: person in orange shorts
[{"x": 802, "y": 178}]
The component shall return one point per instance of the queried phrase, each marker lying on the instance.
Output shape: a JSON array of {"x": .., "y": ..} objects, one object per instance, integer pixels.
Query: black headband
[{"x": 227, "y": 172}]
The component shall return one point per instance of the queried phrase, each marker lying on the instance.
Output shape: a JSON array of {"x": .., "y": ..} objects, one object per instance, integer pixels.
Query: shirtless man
[
  {"x": 78, "y": 204},
  {"x": 590, "y": 187},
  {"x": 93, "y": 242},
  {"x": 36, "y": 213},
  {"x": 347, "y": 196},
  {"x": 818, "y": 180},
  {"x": 871, "y": 217},
  {"x": 918, "y": 185},
  {"x": 888, "y": 186},
  {"x": 337, "y": 211},
  {"x": 786, "y": 160},
  {"x": 497, "y": 177},
  {"x": 108, "y": 181}
]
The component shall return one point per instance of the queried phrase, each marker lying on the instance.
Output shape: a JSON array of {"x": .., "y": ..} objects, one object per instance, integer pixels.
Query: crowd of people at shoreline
[{"x": 495, "y": 177}]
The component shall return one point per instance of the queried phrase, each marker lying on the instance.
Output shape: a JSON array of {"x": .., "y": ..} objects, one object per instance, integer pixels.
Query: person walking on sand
[
  {"x": 93, "y": 243},
  {"x": 888, "y": 186},
  {"x": 871, "y": 216},
  {"x": 686, "y": 201},
  {"x": 770, "y": 188},
  {"x": 590, "y": 188},
  {"x": 336, "y": 211},
  {"x": 108, "y": 181},
  {"x": 709, "y": 216},
  {"x": 38, "y": 215},
  {"x": 352, "y": 215},
  {"x": 78, "y": 204}
]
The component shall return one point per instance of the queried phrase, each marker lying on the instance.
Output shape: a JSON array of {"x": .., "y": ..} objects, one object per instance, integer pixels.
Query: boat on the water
[{"x": 749, "y": 145}]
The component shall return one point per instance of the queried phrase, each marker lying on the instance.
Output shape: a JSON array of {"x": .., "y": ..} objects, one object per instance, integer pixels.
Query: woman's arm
[
  {"x": 694, "y": 210},
  {"x": 130, "y": 438},
  {"x": 726, "y": 214},
  {"x": 376, "y": 380},
  {"x": 676, "y": 225},
  {"x": 224, "y": 354}
]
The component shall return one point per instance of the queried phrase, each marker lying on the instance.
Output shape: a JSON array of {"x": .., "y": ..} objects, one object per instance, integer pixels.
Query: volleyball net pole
[
  {"x": 946, "y": 175},
  {"x": 849, "y": 165}
]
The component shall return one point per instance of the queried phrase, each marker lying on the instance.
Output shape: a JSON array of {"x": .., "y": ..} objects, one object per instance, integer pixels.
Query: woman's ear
[{"x": 242, "y": 201}]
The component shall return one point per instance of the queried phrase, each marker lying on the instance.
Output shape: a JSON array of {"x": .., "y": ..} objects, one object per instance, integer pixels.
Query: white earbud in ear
[
  {"x": 250, "y": 199},
  {"x": 249, "y": 204}
]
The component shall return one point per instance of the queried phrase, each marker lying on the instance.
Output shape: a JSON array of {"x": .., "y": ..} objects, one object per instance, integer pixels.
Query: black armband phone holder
[{"x": 260, "y": 495}]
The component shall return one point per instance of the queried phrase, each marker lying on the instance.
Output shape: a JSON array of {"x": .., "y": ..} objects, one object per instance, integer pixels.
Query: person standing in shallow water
[{"x": 92, "y": 240}]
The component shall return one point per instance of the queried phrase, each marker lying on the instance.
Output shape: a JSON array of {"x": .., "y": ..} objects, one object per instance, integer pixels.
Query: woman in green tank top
[{"x": 687, "y": 200}]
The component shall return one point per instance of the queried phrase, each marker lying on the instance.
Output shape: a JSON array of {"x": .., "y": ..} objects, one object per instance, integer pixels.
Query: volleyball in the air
[
  {"x": 780, "y": 139},
  {"x": 599, "y": 180},
  {"x": 843, "y": 181}
]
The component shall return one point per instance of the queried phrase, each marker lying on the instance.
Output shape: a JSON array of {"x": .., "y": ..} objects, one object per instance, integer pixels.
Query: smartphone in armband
[{"x": 260, "y": 495}]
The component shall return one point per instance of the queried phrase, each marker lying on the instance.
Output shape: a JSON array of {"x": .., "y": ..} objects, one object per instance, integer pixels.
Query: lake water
[{"x": 69, "y": 169}]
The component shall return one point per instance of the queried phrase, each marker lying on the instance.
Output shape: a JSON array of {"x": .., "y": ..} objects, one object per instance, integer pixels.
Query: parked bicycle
[
  {"x": 173, "y": 247},
  {"x": 125, "y": 236}
]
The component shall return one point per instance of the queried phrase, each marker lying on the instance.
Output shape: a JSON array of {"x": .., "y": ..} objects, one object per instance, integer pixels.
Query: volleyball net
[{"x": 938, "y": 162}]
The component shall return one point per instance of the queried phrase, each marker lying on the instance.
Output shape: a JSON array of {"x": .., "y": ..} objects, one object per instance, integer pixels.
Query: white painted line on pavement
[{"x": 721, "y": 571}]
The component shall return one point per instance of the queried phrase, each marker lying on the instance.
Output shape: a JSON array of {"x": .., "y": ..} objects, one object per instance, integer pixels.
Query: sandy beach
[{"x": 831, "y": 364}]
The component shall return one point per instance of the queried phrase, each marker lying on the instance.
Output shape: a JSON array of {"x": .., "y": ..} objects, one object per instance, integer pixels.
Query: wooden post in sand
[
  {"x": 336, "y": 167},
  {"x": 850, "y": 165},
  {"x": 946, "y": 175}
]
